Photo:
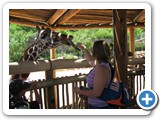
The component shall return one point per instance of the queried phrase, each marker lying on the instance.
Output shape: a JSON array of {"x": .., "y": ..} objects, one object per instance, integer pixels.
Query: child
[{"x": 17, "y": 89}]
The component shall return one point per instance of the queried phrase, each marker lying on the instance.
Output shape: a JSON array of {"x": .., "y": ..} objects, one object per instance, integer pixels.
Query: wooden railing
[
  {"x": 64, "y": 86},
  {"x": 136, "y": 82},
  {"x": 44, "y": 65},
  {"x": 67, "y": 99}
]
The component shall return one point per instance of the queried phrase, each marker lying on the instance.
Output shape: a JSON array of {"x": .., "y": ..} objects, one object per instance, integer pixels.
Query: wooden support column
[
  {"x": 50, "y": 91},
  {"x": 55, "y": 89},
  {"x": 120, "y": 43},
  {"x": 132, "y": 41}
]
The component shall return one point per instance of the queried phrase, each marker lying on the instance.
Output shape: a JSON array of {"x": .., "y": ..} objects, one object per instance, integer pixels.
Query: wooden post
[
  {"x": 120, "y": 43},
  {"x": 50, "y": 92},
  {"x": 132, "y": 41},
  {"x": 55, "y": 89}
]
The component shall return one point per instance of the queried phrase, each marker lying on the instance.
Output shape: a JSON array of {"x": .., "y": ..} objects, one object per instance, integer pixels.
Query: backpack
[
  {"x": 22, "y": 103},
  {"x": 116, "y": 93}
]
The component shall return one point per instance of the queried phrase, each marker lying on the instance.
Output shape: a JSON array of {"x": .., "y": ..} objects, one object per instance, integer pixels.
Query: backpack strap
[
  {"x": 112, "y": 91},
  {"x": 112, "y": 74},
  {"x": 116, "y": 102}
]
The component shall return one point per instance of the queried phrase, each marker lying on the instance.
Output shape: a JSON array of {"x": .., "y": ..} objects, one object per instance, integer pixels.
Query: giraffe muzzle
[{"x": 72, "y": 44}]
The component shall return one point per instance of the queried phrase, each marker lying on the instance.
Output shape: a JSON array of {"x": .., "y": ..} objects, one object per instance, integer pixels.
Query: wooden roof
[{"x": 73, "y": 18}]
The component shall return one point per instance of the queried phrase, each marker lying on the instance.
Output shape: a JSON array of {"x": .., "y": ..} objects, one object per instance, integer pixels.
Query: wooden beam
[
  {"x": 140, "y": 16},
  {"x": 33, "y": 66},
  {"x": 93, "y": 26},
  {"x": 30, "y": 14},
  {"x": 88, "y": 21},
  {"x": 136, "y": 25},
  {"x": 60, "y": 81},
  {"x": 54, "y": 90},
  {"x": 106, "y": 12},
  {"x": 120, "y": 43},
  {"x": 49, "y": 90},
  {"x": 71, "y": 79},
  {"x": 132, "y": 41},
  {"x": 56, "y": 16},
  {"x": 44, "y": 65},
  {"x": 135, "y": 61},
  {"x": 78, "y": 27},
  {"x": 68, "y": 27},
  {"x": 51, "y": 93},
  {"x": 68, "y": 15},
  {"x": 25, "y": 22},
  {"x": 93, "y": 17}
]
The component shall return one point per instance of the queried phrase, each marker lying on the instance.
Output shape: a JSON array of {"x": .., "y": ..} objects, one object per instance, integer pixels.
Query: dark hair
[
  {"x": 130, "y": 54},
  {"x": 17, "y": 85},
  {"x": 101, "y": 51}
]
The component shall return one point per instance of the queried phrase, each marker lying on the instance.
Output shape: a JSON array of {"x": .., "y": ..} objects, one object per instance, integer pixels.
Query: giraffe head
[
  {"x": 54, "y": 38},
  {"x": 46, "y": 39}
]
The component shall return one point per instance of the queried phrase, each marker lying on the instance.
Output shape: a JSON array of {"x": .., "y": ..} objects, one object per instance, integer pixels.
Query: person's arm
[
  {"x": 102, "y": 74},
  {"x": 37, "y": 96},
  {"x": 88, "y": 56}
]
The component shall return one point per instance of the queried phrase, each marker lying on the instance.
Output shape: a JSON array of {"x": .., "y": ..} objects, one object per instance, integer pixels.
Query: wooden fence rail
[
  {"x": 63, "y": 80},
  {"x": 136, "y": 82},
  {"x": 44, "y": 65},
  {"x": 66, "y": 98}
]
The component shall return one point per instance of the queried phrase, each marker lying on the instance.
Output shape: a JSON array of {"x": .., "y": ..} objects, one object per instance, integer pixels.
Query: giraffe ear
[
  {"x": 48, "y": 30},
  {"x": 42, "y": 28},
  {"x": 38, "y": 28}
]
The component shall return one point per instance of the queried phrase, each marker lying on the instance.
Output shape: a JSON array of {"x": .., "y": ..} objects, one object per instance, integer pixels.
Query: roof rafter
[
  {"x": 25, "y": 22},
  {"x": 56, "y": 16},
  {"x": 140, "y": 16},
  {"x": 67, "y": 27},
  {"x": 68, "y": 15},
  {"x": 73, "y": 18}
]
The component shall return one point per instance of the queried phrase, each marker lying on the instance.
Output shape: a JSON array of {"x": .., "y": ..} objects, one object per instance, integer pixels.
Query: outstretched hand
[
  {"x": 81, "y": 46},
  {"x": 77, "y": 90}
]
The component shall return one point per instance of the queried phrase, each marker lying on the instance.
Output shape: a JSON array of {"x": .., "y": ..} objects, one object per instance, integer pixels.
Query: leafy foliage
[
  {"x": 87, "y": 37},
  {"x": 18, "y": 40},
  {"x": 141, "y": 45},
  {"x": 20, "y": 35},
  {"x": 139, "y": 39}
]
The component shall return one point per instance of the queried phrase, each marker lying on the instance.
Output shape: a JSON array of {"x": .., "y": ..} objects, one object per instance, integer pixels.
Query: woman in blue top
[{"x": 100, "y": 76}]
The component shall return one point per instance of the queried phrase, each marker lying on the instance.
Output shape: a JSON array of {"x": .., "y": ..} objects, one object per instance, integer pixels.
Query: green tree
[
  {"x": 20, "y": 35},
  {"x": 139, "y": 39},
  {"x": 87, "y": 37},
  {"x": 18, "y": 40}
]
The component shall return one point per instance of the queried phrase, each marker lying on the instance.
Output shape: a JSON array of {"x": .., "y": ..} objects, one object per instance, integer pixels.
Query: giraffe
[{"x": 45, "y": 39}]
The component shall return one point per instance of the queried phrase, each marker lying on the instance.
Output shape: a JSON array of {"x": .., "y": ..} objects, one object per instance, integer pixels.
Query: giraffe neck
[
  {"x": 32, "y": 53},
  {"x": 46, "y": 39},
  {"x": 35, "y": 50}
]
